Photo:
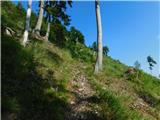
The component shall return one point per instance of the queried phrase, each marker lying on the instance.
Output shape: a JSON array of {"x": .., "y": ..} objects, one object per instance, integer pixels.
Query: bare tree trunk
[
  {"x": 25, "y": 35},
  {"x": 40, "y": 18},
  {"x": 98, "y": 65},
  {"x": 48, "y": 31}
]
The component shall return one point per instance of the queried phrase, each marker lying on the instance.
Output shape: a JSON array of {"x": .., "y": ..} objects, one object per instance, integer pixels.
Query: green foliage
[
  {"x": 151, "y": 62},
  {"x": 113, "y": 68},
  {"x": 80, "y": 51},
  {"x": 132, "y": 76},
  {"x": 14, "y": 69},
  {"x": 63, "y": 38},
  {"x": 19, "y": 6},
  {"x": 10, "y": 104},
  {"x": 8, "y": 17},
  {"x": 117, "y": 111},
  {"x": 112, "y": 107},
  {"x": 35, "y": 78},
  {"x": 58, "y": 35},
  {"x": 94, "y": 46},
  {"x": 75, "y": 35},
  {"x": 150, "y": 84},
  {"x": 105, "y": 50},
  {"x": 25, "y": 77},
  {"x": 56, "y": 11},
  {"x": 16, "y": 19}
]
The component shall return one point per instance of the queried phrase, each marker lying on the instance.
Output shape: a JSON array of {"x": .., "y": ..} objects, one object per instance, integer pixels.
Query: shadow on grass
[
  {"x": 148, "y": 98},
  {"x": 23, "y": 89}
]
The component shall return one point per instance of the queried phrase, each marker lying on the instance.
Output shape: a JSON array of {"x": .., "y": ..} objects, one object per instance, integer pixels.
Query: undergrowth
[{"x": 35, "y": 78}]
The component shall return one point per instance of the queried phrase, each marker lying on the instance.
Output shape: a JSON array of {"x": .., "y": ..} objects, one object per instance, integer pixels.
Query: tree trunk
[
  {"x": 25, "y": 35},
  {"x": 37, "y": 28},
  {"x": 98, "y": 65},
  {"x": 48, "y": 31}
]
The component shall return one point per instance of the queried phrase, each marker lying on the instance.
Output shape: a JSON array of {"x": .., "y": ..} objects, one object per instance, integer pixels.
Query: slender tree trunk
[
  {"x": 98, "y": 65},
  {"x": 48, "y": 31},
  {"x": 25, "y": 35},
  {"x": 40, "y": 18}
]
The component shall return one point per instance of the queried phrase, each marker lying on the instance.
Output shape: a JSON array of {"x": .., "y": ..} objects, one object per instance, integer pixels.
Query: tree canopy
[
  {"x": 76, "y": 36},
  {"x": 56, "y": 11},
  {"x": 151, "y": 62}
]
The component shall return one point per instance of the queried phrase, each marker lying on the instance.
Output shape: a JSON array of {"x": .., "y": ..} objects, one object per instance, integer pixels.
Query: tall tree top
[{"x": 56, "y": 11}]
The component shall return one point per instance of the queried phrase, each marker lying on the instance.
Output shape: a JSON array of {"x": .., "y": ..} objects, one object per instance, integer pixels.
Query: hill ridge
[{"x": 56, "y": 83}]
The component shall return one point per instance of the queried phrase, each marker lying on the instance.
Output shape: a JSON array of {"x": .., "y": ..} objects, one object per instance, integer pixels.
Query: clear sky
[{"x": 130, "y": 29}]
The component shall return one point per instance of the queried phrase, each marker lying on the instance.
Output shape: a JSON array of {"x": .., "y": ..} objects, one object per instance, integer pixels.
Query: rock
[
  {"x": 72, "y": 102},
  {"x": 9, "y": 31},
  {"x": 130, "y": 71},
  {"x": 82, "y": 84},
  {"x": 80, "y": 89}
]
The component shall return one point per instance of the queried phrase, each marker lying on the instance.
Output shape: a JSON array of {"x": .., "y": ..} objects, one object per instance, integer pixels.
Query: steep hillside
[{"x": 45, "y": 82}]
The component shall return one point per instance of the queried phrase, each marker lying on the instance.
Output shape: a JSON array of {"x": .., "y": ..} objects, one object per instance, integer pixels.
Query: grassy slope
[{"x": 35, "y": 79}]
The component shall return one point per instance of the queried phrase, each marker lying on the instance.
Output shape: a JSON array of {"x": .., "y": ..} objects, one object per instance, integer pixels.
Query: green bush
[
  {"x": 10, "y": 105},
  {"x": 80, "y": 51}
]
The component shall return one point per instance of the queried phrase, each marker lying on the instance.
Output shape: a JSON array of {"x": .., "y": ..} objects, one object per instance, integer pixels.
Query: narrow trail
[{"x": 82, "y": 107}]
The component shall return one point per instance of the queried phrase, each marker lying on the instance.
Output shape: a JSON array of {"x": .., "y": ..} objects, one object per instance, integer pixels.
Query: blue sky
[{"x": 130, "y": 29}]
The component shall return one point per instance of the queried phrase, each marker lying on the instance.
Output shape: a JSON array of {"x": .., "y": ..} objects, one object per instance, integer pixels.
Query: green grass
[
  {"x": 111, "y": 104},
  {"x": 35, "y": 78},
  {"x": 114, "y": 104},
  {"x": 29, "y": 79}
]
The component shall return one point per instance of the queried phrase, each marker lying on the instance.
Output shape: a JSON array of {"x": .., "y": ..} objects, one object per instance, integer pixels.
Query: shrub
[{"x": 80, "y": 51}]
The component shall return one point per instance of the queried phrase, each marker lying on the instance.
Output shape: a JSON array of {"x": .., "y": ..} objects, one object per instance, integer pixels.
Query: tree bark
[
  {"x": 98, "y": 65},
  {"x": 25, "y": 35},
  {"x": 48, "y": 31},
  {"x": 37, "y": 28}
]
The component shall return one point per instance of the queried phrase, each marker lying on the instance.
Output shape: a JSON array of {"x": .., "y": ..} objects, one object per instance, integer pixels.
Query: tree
[
  {"x": 151, "y": 62},
  {"x": 37, "y": 28},
  {"x": 60, "y": 35},
  {"x": 137, "y": 64},
  {"x": 56, "y": 13},
  {"x": 94, "y": 46},
  {"x": 48, "y": 31},
  {"x": 28, "y": 15},
  {"x": 19, "y": 5},
  {"x": 76, "y": 36},
  {"x": 105, "y": 50},
  {"x": 98, "y": 65}
]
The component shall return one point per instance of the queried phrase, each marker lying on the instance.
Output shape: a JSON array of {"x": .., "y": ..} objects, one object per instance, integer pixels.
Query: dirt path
[{"x": 82, "y": 107}]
